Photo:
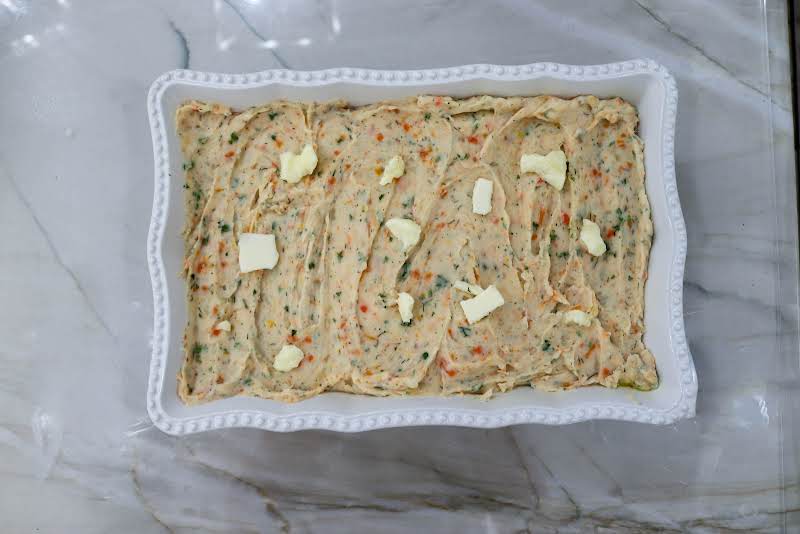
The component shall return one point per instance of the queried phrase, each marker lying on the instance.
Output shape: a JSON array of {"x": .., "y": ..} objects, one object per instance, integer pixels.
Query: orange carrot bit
[
  {"x": 363, "y": 308},
  {"x": 442, "y": 192},
  {"x": 437, "y": 101},
  {"x": 331, "y": 181},
  {"x": 215, "y": 332},
  {"x": 347, "y": 166},
  {"x": 415, "y": 274},
  {"x": 278, "y": 143},
  {"x": 220, "y": 379},
  {"x": 378, "y": 171},
  {"x": 542, "y": 213},
  {"x": 310, "y": 357},
  {"x": 379, "y": 137},
  {"x": 604, "y": 372},
  {"x": 595, "y": 172},
  {"x": 473, "y": 140},
  {"x": 424, "y": 153},
  {"x": 307, "y": 340},
  {"x": 406, "y": 126},
  {"x": 229, "y": 154},
  {"x": 477, "y": 350},
  {"x": 592, "y": 348},
  {"x": 337, "y": 152},
  {"x": 611, "y": 233},
  {"x": 451, "y": 372},
  {"x": 214, "y": 310},
  {"x": 368, "y": 372},
  {"x": 428, "y": 275},
  {"x": 565, "y": 218}
]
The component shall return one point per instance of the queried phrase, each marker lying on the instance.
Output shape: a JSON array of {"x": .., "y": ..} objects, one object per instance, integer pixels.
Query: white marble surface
[{"x": 77, "y": 451}]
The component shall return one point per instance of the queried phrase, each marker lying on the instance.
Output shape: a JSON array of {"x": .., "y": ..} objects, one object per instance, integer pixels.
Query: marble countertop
[{"x": 77, "y": 450}]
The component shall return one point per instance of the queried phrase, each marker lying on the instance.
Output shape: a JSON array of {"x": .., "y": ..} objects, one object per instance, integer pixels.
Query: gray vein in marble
[
  {"x": 697, "y": 48},
  {"x": 786, "y": 322},
  {"x": 137, "y": 488},
  {"x": 271, "y": 506},
  {"x": 183, "y": 43},
  {"x": 521, "y": 458},
  {"x": 400, "y": 503},
  {"x": 575, "y": 512},
  {"x": 615, "y": 487},
  {"x": 282, "y": 62},
  {"x": 59, "y": 261}
]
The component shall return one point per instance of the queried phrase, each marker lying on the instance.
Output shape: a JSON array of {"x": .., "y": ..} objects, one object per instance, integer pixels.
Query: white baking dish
[{"x": 643, "y": 82}]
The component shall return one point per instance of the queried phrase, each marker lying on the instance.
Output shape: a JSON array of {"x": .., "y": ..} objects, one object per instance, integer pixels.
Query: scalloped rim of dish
[{"x": 375, "y": 419}]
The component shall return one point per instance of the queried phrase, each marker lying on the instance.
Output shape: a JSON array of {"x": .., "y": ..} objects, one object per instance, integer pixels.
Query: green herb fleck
[
  {"x": 403, "y": 272},
  {"x": 196, "y": 350},
  {"x": 272, "y": 115},
  {"x": 233, "y": 138},
  {"x": 465, "y": 331},
  {"x": 424, "y": 355},
  {"x": 202, "y": 140},
  {"x": 427, "y": 116},
  {"x": 546, "y": 346},
  {"x": 223, "y": 226},
  {"x": 188, "y": 165},
  {"x": 441, "y": 281}
]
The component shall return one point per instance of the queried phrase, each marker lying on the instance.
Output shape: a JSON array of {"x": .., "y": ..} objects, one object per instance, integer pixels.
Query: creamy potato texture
[{"x": 334, "y": 290}]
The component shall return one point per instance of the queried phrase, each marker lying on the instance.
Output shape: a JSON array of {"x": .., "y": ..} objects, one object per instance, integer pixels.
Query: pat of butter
[
  {"x": 288, "y": 358},
  {"x": 405, "y": 303},
  {"x": 578, "y": 317},
  {"x": 482, "y": 305},
  {"x": 224, "y": 325},
  {"x": 394, "y": 169},
  {"x": 467, "y": 287},
  {"x": 590, "y": 236},
  {"x": 295, "y": 166},
  {"x": 406, "y": 230},
  {"x": 256, "y": 252},
  {"x": 482, "y": 196},
  {"x": 552, "y": 167}
]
